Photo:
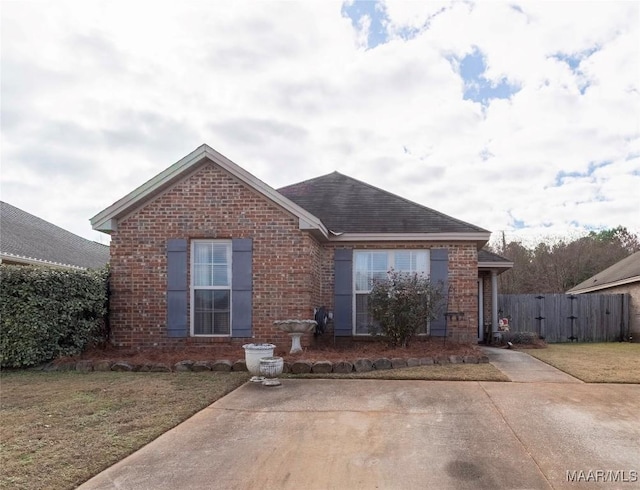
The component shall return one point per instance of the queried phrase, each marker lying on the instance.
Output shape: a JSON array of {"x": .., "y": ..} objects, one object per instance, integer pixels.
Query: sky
[{"x": 519, "y": 117}]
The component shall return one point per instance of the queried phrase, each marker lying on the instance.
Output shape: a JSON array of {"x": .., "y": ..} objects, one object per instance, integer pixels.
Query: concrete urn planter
[{"x": 253, "y": 353}]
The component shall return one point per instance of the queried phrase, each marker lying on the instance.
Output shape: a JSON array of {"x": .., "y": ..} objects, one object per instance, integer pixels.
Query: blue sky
[
  {"x": 522, "y": 117},
  {"x": 373, "y": 16}
]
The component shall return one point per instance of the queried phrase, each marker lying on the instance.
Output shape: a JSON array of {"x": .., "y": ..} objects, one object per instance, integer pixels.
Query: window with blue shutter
[{"x": 220, "y": 289}]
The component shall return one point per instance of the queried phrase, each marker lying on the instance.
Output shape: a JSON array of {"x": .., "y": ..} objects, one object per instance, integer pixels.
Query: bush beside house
[
  {"x": 47, "y": 313},
  {"x": 403, "y": 304}
]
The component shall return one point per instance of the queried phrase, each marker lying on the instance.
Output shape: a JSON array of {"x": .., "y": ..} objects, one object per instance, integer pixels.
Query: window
[
  {"x": 211, "y": 288},
  {"x": 370, "y": 265}
]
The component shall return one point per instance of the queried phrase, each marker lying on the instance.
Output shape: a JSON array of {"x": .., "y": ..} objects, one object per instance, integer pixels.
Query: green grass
[
  {"x": 445, "y": 372},
  {"x": 612, "y": 362},
  {"x": 58, "y": 429}
]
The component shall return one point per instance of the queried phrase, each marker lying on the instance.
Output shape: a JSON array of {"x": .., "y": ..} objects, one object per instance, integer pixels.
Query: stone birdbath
[{"x": 295, "y": 329}]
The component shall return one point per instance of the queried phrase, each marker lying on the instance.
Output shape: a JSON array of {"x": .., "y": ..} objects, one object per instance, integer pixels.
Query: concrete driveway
[{"x": 368, "y": 434}]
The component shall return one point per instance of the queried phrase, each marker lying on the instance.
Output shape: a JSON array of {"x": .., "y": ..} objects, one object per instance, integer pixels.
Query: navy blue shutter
[
  {"x": 177, "y": 288},
  {"x": 343, "y": 292},
  {"x": 241, "y": 287},
  {"x": 439, "y": 276}
]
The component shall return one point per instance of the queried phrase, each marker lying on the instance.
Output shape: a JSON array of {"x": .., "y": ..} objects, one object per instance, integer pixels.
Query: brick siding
[
  {"x": 292, "y": 271},
  {"x": 209, "y": 204}
]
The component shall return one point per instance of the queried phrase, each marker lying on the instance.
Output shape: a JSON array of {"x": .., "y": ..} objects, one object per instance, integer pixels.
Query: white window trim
[
  {"x": 390, "y": 265},
  {"x": 192, "y": 287}
]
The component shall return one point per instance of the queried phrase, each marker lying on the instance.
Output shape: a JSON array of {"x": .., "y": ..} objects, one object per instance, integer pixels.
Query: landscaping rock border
[{"x": 296, "y": 367}]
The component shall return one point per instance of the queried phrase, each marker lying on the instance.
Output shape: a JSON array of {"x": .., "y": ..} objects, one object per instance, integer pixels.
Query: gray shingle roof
[
  {"x": 348, "y": 205},
  {"x": 626, "y": 270},
  {"x": 486, "y": 256},
  {"x": 25, "y": 236}
]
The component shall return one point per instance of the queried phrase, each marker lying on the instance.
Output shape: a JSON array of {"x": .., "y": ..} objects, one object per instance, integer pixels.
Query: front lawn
[
  {"x": 611, "y": 362},
  {"x": 58, "y": 429}
]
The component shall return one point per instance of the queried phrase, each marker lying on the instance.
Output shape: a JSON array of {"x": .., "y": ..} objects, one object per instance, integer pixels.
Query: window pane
[
  {"x": 362, "y": 261},
  {"x": 202, "y": 275},
  {"x": 362, "y": 271},
  {"x": 221, "y": 300},
  {"x": 202, "y": 253},
  {"x": 203, "y": 312},
  {"x": 221, "y": 315},
  {"x": 379, "y": 261},
  {"x": 219, "y": 253},
  {"x": 421, "y": 261},
  {"x": 377, "y": 276},
  {"x": 362, "y": 314},
  {"x": 220, "y": 277},
  {"x": 362, "y": 281},
  {"x": 222, "y": 324},
  {"x": 414, "y": 261},
  {"x": 402, "y": 261}
]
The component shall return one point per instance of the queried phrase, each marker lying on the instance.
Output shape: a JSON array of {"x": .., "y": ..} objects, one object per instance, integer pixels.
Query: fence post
[
  {"x": 540, "y": 318},
  {"x": 572, "y": 317}
]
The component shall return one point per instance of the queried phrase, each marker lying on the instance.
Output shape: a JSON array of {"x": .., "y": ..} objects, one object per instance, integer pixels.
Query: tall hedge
[{"x": 47, "y": 313}]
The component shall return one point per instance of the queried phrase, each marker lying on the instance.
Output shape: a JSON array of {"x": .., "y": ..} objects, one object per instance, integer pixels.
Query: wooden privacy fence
[{"x": 568, "y": 317}]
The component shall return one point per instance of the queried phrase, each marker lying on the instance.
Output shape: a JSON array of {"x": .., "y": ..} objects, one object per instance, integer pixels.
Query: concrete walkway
[
  {"x": 522, "y": 368},
  {"x": 377, "y": 434}
]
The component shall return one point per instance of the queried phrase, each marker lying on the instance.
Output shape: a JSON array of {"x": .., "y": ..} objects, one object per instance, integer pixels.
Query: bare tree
[{"x": 554, "y": 266}]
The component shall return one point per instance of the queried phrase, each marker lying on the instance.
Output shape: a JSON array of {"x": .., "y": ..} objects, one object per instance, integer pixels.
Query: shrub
[
  {"x": 403, "y": 304},
  {"x": 528, "y": 338},
  {"x": 47, "y": 313}
]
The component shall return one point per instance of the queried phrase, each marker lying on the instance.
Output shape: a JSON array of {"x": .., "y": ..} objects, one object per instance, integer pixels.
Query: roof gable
[
  {"x": 27, "y": 239},
  {"x": 107, "y": 220},
  {"x": 625, "y": 271},
  {"x": 347, "y": 205}
]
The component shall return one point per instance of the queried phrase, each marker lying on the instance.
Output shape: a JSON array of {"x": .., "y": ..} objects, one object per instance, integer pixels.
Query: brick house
[{"x": 206, "y": 253}]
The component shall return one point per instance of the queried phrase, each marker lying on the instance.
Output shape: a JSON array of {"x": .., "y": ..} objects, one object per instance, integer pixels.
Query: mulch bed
[{"x": 313, "y": 353}]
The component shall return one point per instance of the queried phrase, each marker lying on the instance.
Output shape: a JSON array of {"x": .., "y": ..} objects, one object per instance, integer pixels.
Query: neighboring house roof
[
  {"x": 489, "y": 260},
  {"x": 626, "y": 271},
  {"x": 27, "y": 239},
  {"x": 334, "y": 207}
]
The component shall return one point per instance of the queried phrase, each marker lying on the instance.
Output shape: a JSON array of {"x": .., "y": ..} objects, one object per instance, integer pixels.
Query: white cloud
[{"x": 98, "y": 97}]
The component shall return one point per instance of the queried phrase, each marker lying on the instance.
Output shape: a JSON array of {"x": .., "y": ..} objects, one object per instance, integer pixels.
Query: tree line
[{"x": 555, "y": 266}]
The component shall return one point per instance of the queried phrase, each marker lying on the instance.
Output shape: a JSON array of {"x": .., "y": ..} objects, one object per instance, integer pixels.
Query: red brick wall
[
  {"x": 209, "y": 203},
  {"x": 486, "y": 288},
  {"x": 292, "y": 272}
]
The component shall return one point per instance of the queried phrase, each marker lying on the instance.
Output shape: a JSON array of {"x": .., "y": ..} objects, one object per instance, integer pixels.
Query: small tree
[{"x": 403, "y": 304}]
